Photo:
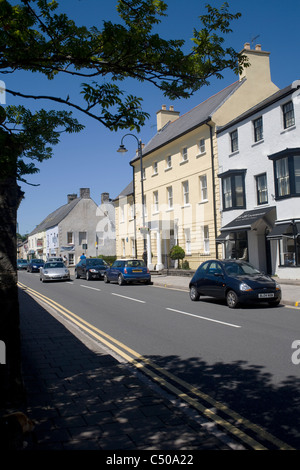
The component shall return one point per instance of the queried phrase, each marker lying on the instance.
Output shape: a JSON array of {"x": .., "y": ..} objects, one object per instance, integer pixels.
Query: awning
[
  {"x": 287, "y": 229},
  {"x": 245, "y": 221}
]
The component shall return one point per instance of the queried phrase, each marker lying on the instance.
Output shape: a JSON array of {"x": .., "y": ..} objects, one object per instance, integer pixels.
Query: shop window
[{"x": 236, "y": 247}]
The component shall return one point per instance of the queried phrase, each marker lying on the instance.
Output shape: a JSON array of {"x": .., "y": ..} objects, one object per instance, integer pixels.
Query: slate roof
[
  {"x": 55, "y": 217},
  {"x": 190, "y": 120},
  {"x": 126, "y": 191}
]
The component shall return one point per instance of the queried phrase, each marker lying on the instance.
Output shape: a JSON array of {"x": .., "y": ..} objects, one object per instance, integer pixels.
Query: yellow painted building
[{"x": 180, "y": 175}]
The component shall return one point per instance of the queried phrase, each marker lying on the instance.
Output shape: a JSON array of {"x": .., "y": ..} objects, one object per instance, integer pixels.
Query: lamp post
[{"x": 122, "y": 149}]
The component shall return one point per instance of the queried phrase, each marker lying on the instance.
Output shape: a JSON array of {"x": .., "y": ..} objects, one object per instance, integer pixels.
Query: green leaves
[
  {"x": 34, "y": 37},
  {"x": 31, "y": 136}
]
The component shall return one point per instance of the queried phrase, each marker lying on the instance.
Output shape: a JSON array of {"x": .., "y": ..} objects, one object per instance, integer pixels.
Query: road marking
[
  {"x": 143, "y": 363},
  {"x": 129, "y": 298},
  {"x": 204, "y": 318},
  {"x": 88, "y": 287}
]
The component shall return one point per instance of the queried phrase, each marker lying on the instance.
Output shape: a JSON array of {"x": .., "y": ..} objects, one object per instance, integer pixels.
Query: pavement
[{"x": 82, "y": 398}]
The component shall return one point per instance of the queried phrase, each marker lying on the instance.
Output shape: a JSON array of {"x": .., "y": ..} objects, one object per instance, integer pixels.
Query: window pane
[
  {"x": 282, "y": 174},
  {"x": 234, "y": 141},
  {"x": 203, "y": 188},
  {"x": 258, "y": 129},
  {"x": 239, "y": 191},
  {"x": 227, "y": 194},
  {"x": 262, "y": 191},
  {"x": 288, "y": 115},
  {"x": 297, "y": 173}
]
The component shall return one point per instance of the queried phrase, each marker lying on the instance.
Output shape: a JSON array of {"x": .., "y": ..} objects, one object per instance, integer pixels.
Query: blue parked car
[
  {"x": 124, "y": 271},
  {"x": 234, "y": 280},
  {"x": 34, "y": 265},
  {"x": 22, "y": 263}
]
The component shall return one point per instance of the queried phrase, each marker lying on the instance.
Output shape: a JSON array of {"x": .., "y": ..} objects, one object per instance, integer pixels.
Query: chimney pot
[
  {"x": 71, "y": 197},
  {"x": 258, "y": 47},
  {"x": 164, "y": 107},
  {"x": 85, "y": 193},
  {"x": 247, "y": 45},
  {"x": 104, "y": 198}
]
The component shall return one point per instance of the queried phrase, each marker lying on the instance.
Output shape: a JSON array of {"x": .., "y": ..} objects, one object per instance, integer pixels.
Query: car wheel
[
  {"x": 76, "y": 275},
  {"x": 120, "y": 280},
  {"x": 232, "y": 299},
  {"x": 105, "y": 278},
  {"x": 194, "y": 294},
  {"x": 88, "y": 276}
]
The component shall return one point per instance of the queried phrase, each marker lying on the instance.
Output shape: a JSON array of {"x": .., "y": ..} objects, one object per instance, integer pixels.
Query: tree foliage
[
  {"x": 36, "y": 37},
  {"x": 177, "y": 253}
]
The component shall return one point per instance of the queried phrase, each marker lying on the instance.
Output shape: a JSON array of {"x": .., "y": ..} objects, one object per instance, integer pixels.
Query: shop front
[
  {"x": 285, "y": 245},
  {"x": 245, "y": 238}
]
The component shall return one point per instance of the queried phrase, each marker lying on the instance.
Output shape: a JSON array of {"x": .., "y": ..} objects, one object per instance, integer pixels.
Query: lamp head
[{"x": 122, "y": 149}]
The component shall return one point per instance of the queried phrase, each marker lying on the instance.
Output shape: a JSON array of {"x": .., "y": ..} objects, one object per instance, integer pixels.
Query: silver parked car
[{"x": 54, "y": 271}]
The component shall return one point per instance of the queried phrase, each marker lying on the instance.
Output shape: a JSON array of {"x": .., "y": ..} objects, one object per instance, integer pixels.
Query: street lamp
[{"x": 122, "y": 149}]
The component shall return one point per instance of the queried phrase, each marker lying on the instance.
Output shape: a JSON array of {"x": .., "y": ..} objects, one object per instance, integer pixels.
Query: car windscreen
[
  {"x": 54, "y": 264},
  {"x": 240, "y": 269}
]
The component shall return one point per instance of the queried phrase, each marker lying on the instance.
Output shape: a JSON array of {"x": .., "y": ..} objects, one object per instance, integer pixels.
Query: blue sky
[{"x": 90, "y": 159}]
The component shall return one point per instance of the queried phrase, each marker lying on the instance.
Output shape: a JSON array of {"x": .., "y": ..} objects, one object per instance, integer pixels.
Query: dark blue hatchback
[
  {"x": 124, "y": 271},
  {"x": 234, "y": 280},
  {"x": 34, "y": 265}
]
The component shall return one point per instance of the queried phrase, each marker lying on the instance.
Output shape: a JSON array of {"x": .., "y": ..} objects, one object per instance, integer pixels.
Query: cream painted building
[{"x": 180, "y": 174}]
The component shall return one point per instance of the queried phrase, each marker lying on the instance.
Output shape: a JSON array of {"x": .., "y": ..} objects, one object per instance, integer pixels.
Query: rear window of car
[{"x": 135, "y": 264}]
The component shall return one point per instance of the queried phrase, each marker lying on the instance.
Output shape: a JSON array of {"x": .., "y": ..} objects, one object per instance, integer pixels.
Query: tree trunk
[{"x": 11, "y": 384}]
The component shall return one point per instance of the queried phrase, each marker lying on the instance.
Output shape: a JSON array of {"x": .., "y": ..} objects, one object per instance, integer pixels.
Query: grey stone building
[{"x": 79, "y": 226}]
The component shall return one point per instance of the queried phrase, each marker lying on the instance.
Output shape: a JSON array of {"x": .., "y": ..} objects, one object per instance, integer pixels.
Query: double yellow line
[{"x": 171, "y": 383}]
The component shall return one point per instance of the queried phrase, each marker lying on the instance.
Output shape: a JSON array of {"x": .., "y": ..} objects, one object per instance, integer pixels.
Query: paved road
[{"x": 238, "y": 357}]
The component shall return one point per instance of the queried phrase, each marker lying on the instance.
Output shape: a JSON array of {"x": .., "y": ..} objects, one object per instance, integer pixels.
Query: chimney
[
  {"x": 71, "y": 197},
  {"x": 259, "y": 69},
  {"x": 164, "y": 115},
  {"x": 85, "y": 193},
  {"x": 104, "y": 198}
]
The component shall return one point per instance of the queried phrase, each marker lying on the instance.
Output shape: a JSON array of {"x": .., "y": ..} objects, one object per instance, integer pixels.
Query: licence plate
[
  {"x": 136, "y": 270},
  {"x": 265, "y": 296}
]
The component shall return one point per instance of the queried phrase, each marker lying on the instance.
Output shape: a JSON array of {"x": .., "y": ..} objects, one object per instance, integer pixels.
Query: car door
[
  {"x": 215, "y": 280},
  {"x": 113, "y": 272},
  {"x": 80, "y": 268}
]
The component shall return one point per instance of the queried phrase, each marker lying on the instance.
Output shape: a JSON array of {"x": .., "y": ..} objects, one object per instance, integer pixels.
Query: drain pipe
[{"x": 213, "y": 183}]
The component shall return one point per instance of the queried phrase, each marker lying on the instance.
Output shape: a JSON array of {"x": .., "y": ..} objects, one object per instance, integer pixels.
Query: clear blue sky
[{"x": 90, "y": 159}]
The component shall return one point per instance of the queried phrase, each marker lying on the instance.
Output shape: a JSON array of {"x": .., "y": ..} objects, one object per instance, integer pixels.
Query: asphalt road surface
[{"x": 238, "y": 366}]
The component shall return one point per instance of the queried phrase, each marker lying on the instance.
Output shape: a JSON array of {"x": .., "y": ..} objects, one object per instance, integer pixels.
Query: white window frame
[
  {"x": 186, "y": 193},
  {"x": 170, "y": 197},
  {"x": 184, "y": 154},
  {"x": 169, "y": 162},
  {"x": 155, "y": 202},
  {"x": 205, "y": 237},
  {"x": 203, "y": 188},
  {"x": 188, "y": 246},
  {"x": 201, "y": 146}
]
